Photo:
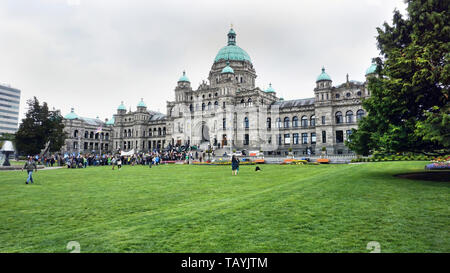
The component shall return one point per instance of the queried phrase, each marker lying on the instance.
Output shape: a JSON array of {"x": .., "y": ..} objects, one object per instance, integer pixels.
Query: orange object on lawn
[{"x": 323, "y": 160}]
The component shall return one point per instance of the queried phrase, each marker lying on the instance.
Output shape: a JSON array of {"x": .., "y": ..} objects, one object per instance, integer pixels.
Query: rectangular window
[
  {"x": 324, "y": 137},
  {"x": 323, "y": 120},
  {"x": 246, "y": 139},
  {"x": 313, "y": 138},
  {"x": 347, "y": 134},
  {"x": 279, "y": 139},
  {"x": 339, "y": 136},
  {"x": 295, "y": 136},
  {"x": 287, "y": 139},
  {"x": 304, "y": 138},
  {"x": 224, "y": 124}
]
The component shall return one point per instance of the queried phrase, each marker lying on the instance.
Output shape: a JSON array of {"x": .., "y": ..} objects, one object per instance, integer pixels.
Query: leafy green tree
[
  {"x": 408, "y": 110},
  {"x": 38, "y": 127}
]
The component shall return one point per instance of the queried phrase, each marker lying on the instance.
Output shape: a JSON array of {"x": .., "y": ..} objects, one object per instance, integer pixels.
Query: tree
[
  {"x": 408, "y": 110},
  {"x": 38, "y": 127}
]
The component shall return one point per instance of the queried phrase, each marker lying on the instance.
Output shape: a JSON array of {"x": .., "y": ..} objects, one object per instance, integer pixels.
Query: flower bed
[
  {"x": 294, "y": 162},
  {"x": 438, "y": 166}
]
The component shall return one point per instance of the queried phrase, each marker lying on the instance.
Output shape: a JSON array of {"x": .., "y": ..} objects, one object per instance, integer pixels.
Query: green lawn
[{"x": 176, "y": 208}]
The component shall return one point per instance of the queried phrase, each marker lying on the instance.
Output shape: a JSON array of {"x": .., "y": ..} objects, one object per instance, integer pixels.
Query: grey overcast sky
[{"x": 93, "y": 54}]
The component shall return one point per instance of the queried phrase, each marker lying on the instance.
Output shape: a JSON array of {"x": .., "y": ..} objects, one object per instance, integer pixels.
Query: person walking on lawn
[
  {"x": 30, "y": 165},
  {"x": 234, "y": 165}
]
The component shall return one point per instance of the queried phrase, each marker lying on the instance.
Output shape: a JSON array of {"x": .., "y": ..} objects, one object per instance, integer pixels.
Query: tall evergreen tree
[
  {"x": 38, "y": 127},
  {"x": 408, "y": 110}
]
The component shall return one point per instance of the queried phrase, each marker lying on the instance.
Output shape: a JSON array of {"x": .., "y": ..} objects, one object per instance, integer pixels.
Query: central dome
[{"x": 232, "y": 52}]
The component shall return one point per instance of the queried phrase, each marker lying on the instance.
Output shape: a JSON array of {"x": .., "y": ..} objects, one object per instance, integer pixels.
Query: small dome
[
  {"x": 141, "y": 103},
  {"x": 121, "y": 107},
  {"x": 371, "y": 69},
  {"x": 227, "y": 69},
  {"x": 323, "y": 76},
  {"x": 184, "y": 78},
  {"x": 270, "y": 89},
  {"x": 110, "y": 122},
  {"x": 71, "y": 115}
]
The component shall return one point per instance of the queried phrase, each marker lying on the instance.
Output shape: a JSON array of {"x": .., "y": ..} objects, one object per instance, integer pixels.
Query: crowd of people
[{"x": 153, "y": 158}]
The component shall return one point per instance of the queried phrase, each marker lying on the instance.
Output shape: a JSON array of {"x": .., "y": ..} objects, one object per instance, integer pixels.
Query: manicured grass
[{"x": 175, "y": 208}]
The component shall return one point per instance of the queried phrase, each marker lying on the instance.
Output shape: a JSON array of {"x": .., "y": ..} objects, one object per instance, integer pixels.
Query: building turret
[
  {"x": 183, "y": 86},
  {"x": 141, "y": 107},
  {"x": 121, "y": 109},
  {"x": 371, "y": 71},
  {"x": 323, "y": 80},
  {"x": 323, "y": 86}
]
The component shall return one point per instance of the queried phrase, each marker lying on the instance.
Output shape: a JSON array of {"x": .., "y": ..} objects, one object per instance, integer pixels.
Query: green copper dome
[
  {"x": 323, "y": 76},
  {"x": 110, "y": 122},
  {"x": 371, "y": 69},
  {"x": 270, "y": 89},
  {"x": 227, "y": 69},
  {"x": 71, "y": 115},
  {"x": 121, "y": 107},
  {"x": 232, "y": 51},
  {"x": 141, "y": 103},
  {"x": 184, "y": 78}
]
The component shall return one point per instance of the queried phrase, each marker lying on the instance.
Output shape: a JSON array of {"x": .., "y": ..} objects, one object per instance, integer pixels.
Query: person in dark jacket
[
  {"x": 234, "y": 165},
  {"x": 30, "y": 165}
]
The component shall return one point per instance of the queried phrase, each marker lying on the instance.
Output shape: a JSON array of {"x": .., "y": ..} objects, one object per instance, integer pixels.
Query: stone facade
[{"x": 230, "y": 113}]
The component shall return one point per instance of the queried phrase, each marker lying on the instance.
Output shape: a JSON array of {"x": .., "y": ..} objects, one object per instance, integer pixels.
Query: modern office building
[{"x": 9, "y": 109}]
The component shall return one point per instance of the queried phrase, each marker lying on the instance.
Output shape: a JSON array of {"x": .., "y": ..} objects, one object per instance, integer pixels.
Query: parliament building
[{"x": 228, "y": 113}]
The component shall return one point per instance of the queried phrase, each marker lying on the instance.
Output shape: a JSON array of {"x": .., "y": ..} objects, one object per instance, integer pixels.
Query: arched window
[
  {"x": 216, "y": 104},
  {"x": 86, "y": 134},
  {"x": 75, "y": 133},
  {"x": 312, "y": 120},
  {"x": 191, "y": 108},
  {"x": 269, "y": 123},
  {"x": 159, "y": 131},
  {"x": 338, "y": 96},
  {"x": 338, "y": 117},
  {"x": 295, "y": 122},
  {"x": 242, "y": 102},
  {"x": 278, "y": 122},
  {"x": 250, "y": 102},
  {"x": 164, "y": 131},
  {"x": 150, "y": 132},
  {"x": 125, "y": 133},
  {"x": 246, "y": 123},
  {"x": 349, "y": 116},
  {"x": 203, "y": 107},
  {"x": 304, "y": 121},
  {"x": 359, "y": 114},
  {"x": 209, "y": 105},
  {"x": 286, "y": 122},
  {"x": 91, "y": 135}
]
